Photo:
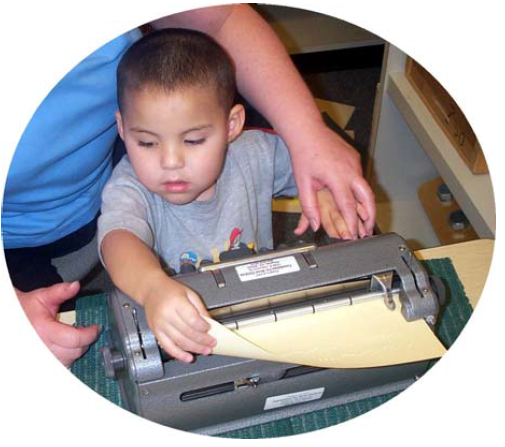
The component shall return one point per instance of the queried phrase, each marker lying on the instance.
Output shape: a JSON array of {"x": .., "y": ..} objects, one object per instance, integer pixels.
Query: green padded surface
[{"x": 453, "y": 318}]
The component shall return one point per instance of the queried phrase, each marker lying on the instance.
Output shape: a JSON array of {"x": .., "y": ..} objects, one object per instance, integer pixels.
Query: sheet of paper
[
  {"x": 358, "y": 336},
  {"x": 339, "y": 113}
]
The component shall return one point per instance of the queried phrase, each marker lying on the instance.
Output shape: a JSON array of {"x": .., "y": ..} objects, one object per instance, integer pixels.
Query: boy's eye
[
  {"x": 146, "y": 144},
  {"x": 195, "y": 142}
]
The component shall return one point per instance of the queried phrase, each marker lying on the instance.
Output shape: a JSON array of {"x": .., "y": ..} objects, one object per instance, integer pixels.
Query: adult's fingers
[
  {"x": 67, "y": 356},
  {"x": 71, "y": 337},
  {"x": 56, "y": 294},
  {"x": 308, "y": 201}
]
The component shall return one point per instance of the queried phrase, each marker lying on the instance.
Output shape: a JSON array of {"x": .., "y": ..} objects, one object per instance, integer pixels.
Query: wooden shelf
[{"x": 474, "y": 193}]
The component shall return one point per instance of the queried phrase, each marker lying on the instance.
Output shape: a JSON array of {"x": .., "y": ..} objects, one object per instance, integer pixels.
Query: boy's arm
[{"x": 174, "y": 312}]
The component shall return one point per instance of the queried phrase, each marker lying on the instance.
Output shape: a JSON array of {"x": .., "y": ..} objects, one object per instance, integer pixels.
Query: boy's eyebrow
[
  {"x": 139, "y": 130},
  {"x": 201, "y": 127}
]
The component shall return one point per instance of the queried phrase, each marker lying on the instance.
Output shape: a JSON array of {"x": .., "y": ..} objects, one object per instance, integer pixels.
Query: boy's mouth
[{"x": 175, "y": 187}]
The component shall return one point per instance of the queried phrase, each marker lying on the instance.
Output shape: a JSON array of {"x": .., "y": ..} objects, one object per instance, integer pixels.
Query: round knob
[
  {"x": 113, "y": 362},
  {"x": 458, "y": 220},
  {"x": 438, "y": 287},
  {"x": 443, "y": 193}
]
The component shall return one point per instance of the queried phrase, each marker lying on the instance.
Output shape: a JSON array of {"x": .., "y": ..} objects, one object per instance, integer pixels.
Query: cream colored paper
[
  {"x": 338, "y": 112},
  {"x": 358, "y": 336}
]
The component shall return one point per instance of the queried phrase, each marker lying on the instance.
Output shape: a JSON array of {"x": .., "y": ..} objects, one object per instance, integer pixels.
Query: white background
[{"x": 459, "y": 402}]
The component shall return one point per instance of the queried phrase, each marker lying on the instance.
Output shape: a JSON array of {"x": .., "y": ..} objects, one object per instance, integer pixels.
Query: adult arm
[
  {"x": 66, "y": 342},
  {"x": 270, "y": 82}
]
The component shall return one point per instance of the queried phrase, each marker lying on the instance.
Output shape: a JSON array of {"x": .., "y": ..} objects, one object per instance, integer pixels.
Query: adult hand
[
  {"x": 332, "y": 221},
  {"x": 66, "y": 342},
  {"x": 327, "y": 161}
]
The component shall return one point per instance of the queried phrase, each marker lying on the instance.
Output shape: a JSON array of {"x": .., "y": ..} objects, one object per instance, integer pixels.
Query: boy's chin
[{"x": 178, "y": 199}]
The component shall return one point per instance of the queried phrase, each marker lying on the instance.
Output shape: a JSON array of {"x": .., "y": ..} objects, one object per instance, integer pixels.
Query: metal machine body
[{"x": 219, "y": 393}]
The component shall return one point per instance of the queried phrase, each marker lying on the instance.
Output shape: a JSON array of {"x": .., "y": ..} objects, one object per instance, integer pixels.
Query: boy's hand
[
  {"x": 331, "y": 219},
  {"x": 174, "y": 313}
]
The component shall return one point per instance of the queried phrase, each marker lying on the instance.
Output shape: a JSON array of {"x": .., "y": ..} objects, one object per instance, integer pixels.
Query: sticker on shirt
[
  {"x": 188, "y": 262},
  {"x": 267, "y": 268},
  {"x": 235, "y": 238},
  {"x": 189, "y": 257}
]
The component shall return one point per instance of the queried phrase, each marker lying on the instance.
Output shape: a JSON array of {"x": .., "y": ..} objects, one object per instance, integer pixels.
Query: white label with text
[
  {"x": 264, "y": 269},
  {"x": 285, "y": 400}
]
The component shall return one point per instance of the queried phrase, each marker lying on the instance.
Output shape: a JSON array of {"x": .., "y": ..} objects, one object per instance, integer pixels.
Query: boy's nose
[{"x": 172, "y": 158}]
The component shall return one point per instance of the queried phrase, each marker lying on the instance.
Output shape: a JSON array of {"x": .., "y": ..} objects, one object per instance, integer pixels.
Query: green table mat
[{"x": 452, "y": 320}]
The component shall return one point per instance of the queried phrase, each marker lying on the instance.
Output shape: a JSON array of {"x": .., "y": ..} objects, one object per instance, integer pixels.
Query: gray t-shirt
[{"x": 257, "y": 167}]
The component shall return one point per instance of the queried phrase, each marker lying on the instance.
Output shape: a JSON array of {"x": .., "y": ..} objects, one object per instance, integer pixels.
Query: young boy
[{"x": 181, "y": 195}]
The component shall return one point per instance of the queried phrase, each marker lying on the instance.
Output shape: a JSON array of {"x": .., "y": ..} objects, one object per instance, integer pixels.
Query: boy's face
[{"x": 177, "y": 141}]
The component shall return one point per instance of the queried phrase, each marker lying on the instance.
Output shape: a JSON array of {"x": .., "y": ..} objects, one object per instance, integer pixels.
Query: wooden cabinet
[
  {"x": 409, "y": 148},
  {"x": 409, "y": 145}
]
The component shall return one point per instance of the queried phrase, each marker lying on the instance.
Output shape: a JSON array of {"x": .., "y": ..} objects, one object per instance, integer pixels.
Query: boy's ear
[
  {"x": 119, "y": 123},
  {"x": 236, "y": 120}
]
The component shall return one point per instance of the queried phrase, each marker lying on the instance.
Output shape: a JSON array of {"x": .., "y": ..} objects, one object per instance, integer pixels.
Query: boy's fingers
[
  {"x": 329, "y": 225},
  {"x": 185, "y": 342},
  {"x": 188, "y": 344},
  {"x": 362, "y": 213},
  {"x": 188, "y": 330},
  {"x": 361, "y": 229},
  {"x": 303, "y": 225},
  {"x": 340, "y": 226},
  {"x": 364, "y": 196},
  {"x": 347, "y": 207},
  {"x": 171, "y": 348},
  {"x": 190, "y": 317},
  {"x": 196, "y": 301}
]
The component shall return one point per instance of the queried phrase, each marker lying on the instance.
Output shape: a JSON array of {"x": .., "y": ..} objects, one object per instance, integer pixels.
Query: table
[{"x": 471, "y": 260}]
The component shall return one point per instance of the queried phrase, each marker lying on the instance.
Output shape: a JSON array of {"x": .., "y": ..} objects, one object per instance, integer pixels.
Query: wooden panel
[
  {"x": 448, "y": 115},
  {"x": 438, "y": 212},
  {"x": 474, "y": 193}
]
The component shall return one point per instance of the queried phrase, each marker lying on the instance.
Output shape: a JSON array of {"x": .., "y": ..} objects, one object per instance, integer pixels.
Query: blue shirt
[{"x": 64, "y": 156}]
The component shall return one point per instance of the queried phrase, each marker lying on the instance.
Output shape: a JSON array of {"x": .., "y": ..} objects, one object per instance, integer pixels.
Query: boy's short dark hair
[{"x": 171, "y": 59}]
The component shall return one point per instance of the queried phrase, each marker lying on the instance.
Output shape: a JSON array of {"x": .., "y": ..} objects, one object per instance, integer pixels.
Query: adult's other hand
[{"x": 66, "y": 342}]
